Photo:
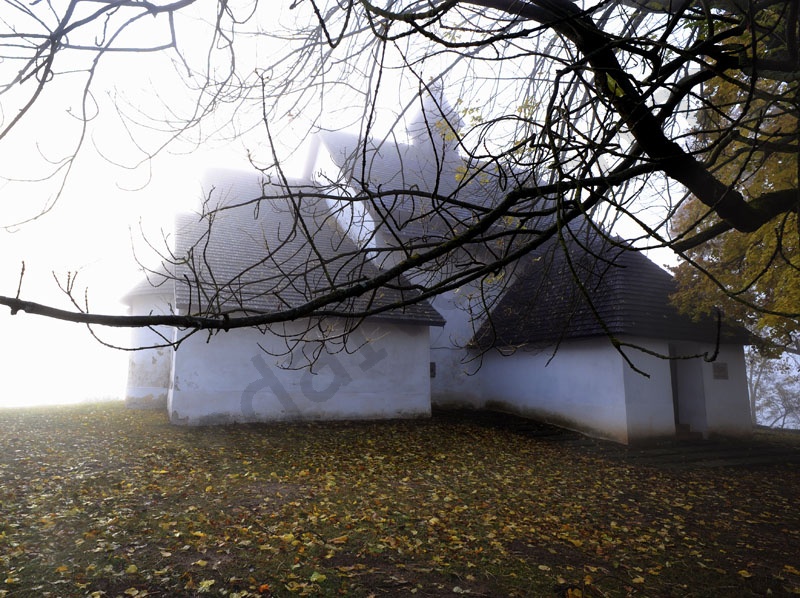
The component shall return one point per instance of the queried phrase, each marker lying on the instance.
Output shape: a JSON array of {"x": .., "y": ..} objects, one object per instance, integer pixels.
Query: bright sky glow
[
  {"x": 91, "y": 231},
  {"x": 114, "y": 197}
]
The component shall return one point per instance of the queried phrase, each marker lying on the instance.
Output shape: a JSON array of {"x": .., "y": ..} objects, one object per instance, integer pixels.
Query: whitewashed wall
[
  {"x": 689, "y": 387},
  {"x": 727, "y": 399},
  {"x": 149, "y": 370},
  {"x": 455, "y": 383},
  {"x": 713, "y": 396},
  {"x": 587, "y": 386},
  {"x": 649, "y": 401},
  {"x": 582, "y": 387},
  {"x": 231, "y": 379},
  {"x": 464, "y": 310}
]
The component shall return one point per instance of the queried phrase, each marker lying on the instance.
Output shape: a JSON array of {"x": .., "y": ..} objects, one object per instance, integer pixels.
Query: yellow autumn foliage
[{"x": 747, "y": 134}]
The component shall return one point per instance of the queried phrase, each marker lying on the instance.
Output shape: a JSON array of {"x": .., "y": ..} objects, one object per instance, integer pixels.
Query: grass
[{"x": 100, "y": 501}]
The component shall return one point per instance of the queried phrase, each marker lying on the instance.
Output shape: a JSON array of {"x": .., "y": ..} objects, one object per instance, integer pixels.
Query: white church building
[{"x": 568, "y": 338}]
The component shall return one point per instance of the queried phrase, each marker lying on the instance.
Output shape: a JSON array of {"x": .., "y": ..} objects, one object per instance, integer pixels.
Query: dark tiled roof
[
  {"x": 629, "y": 295},
  {"x": 257, "y": 259}
]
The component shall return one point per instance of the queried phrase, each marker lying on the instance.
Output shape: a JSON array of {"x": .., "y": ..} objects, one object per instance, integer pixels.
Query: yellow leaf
[
  {"x": 131, "y": 569},
  {"x": 339, "y": 540},
  {"x": 745, "y": 573},
  {"x": 638, "y": 579},
  {"x": 315, "y": 577},
  {"x": 790, "y": 569},
  {"x": 613, "y": 86},
  {"x": 205, "y": 585},
  {"x": 200, "y": 563},
  {"x": 544, "y": 568},
  {"x": 62, "y": 569}
]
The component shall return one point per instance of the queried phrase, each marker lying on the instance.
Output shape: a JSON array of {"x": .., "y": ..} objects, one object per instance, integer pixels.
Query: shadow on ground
[{"x": 766, "y": 447}]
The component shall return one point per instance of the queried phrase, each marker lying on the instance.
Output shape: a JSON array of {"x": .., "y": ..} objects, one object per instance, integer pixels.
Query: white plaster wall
[
  {"x": 728, "y": 400},
  {"x": 690, "y": 383},
  {"x": 582, "y": 387},
  {"x": 455, "y": 383},
  {"x": 464, "y": 310},
  {"x": 648, "y": 395},
  {"x": 231, "y": 379},
  {"x": 713, "y": 405},
  {"x": 149, "y": 370}
]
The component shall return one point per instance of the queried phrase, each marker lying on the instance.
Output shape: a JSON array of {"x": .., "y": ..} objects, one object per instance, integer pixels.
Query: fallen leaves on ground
[{"x": 100, "y": 501}]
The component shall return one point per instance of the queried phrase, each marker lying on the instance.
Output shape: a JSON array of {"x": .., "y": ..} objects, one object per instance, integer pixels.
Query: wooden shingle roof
[
  {"x": 257, "y": 258},
  {"x": 579, "y": 289}
]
